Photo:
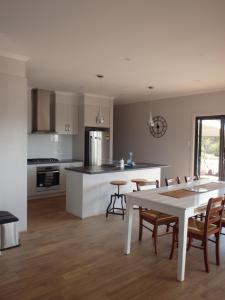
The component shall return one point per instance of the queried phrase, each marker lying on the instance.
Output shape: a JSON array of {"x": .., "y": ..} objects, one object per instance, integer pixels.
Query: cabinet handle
[{"x": 67, "y": 127}]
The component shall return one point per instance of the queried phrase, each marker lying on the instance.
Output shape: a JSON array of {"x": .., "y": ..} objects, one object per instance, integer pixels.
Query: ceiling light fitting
[
  {"x": 150, "y": 120},
  {"x": 99, "y": 117}
]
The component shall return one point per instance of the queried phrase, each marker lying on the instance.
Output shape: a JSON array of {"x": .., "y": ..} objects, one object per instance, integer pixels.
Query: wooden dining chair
[
  {"x": 191, "y": 178},
  {"x": 201, "y": 231},
  {"x": 153, "y": 184},
  {"x": 153, "y": 217},
  {"x": 223, "y": 222},
  {"x": 172, "y": 181},
  {"x": 142, "y": 182}
]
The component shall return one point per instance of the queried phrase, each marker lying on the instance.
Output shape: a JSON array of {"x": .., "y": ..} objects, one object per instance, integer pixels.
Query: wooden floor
[{"x": 62, "y": 257}]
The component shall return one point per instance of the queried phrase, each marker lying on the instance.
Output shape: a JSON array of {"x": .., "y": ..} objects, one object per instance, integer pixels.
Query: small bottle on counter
[
  {"x": 130, "y": 159},
  {"x": 122, "y": 163}
]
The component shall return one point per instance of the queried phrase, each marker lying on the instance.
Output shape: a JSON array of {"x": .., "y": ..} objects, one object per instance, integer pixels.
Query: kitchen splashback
[{"x": 50, "y": 145}]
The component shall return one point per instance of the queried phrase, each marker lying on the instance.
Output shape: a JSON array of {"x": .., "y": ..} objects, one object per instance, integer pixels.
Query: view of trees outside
[{"x": 210, "y": 148}]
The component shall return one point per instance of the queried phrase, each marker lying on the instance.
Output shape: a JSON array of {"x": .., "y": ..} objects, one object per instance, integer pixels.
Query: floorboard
[{"x": 63, "y": 257}]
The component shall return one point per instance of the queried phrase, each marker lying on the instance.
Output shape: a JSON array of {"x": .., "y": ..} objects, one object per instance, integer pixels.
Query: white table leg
[
  {"x": 182, "y": 246},
  {"x": 128, "y": 226}
]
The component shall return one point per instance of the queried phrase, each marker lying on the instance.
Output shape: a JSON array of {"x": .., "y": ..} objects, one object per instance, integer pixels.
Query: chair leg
[
  {"x": 107, "y": 210},
  {"x": 153, "y": 232},
  {"x": 125, "y": 202},
  {"x": 168, "y": 228},
  {"x": 173, "y": 243},
  {"x": 114, "y": 201},
  {"x": 206, "y": 255},
  {"x": 189, "y": 243},
  {"x": 155, "y": 237},
  {"x": 122, "y": 207},
  {"x": 140, "y": 228},
  {"x": 217, "y": 249}
]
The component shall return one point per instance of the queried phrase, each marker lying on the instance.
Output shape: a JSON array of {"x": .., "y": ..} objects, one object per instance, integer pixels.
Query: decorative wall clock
[{"x": 159, "y": 128}]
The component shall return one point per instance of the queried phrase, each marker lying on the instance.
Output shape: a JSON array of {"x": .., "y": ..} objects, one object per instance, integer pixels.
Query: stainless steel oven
[{"x": 48, "y": 177}]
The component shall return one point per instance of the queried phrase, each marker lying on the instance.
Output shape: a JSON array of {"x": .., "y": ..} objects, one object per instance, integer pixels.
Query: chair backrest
[
  {"x": 150, "y": 184},
  {"x": 172, "y": 181},
  {"x": 214, "y": 213},
  {"x": 191, "y": 178}
]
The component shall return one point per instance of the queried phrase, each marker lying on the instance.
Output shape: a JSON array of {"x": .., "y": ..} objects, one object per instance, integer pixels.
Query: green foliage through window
[{"x": 210, "y": 145}]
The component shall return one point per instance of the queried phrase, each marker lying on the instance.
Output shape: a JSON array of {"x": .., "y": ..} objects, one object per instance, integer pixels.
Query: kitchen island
[{"x": 88, "y": 189}]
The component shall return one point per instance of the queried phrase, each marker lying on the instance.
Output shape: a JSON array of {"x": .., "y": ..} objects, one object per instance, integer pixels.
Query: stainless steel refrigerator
[{"x": 97, "y": 147}]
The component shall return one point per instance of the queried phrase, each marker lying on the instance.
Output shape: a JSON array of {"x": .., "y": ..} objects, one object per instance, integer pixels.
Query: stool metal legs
[{"x": 111, "y": 207}]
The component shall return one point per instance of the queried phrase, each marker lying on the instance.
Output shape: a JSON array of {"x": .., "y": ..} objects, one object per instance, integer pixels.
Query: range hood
[{"x": 43, "y": 111}]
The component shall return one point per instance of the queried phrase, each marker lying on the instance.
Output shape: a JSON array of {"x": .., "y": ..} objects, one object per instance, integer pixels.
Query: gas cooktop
[{"x": 42, "y": 160}]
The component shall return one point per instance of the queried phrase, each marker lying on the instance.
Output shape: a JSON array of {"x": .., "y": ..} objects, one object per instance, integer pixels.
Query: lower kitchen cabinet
[
  {"x": 31, "y": 180},
  {"x": 34, "y": 192}
]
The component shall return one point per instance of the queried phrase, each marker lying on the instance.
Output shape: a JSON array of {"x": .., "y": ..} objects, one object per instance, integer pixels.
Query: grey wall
[
  {"x": 176, "y": 147},
  {"x": 51, "y": 145},
  {"x": 13, "y": 139}
]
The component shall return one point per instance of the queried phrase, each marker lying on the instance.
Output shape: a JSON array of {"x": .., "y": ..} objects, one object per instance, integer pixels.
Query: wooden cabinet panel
[
  {"x": 31, "y": 180},
  {"x": 91, "y": 113},
  {"x": 73, "y": 119},
  {"x": 66, "y": 118},
  {"x": 61, "y": 118},
  {"x": 106, "y": 116}
]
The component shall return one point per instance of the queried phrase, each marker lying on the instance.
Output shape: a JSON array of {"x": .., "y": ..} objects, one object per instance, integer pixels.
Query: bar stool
[
  {"x": 138, "y": 183},
  {"x": 111, "y": 207}
]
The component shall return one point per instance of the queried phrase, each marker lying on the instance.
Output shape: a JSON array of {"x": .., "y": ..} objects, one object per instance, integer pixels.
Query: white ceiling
[{"x": 178, "y": 46}]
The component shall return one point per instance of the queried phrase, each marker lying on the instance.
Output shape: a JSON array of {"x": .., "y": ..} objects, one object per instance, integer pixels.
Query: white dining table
[{"x": 183, "y": 208}]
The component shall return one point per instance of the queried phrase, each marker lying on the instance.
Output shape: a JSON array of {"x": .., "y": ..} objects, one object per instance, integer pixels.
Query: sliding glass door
[{"x": 209, "y": 147}]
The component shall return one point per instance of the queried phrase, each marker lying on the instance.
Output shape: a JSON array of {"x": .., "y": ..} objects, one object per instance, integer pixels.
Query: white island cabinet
[{"x": 88, "y": 189}]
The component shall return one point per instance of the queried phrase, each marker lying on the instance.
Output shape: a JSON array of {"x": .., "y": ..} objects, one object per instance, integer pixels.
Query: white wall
[
  {"x": 176, "y": 147},
  {"x": 13, "y": 139}
]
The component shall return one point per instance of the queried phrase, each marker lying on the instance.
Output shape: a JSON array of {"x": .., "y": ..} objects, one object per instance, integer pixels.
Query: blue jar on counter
[{"x": 130, "y": 159}]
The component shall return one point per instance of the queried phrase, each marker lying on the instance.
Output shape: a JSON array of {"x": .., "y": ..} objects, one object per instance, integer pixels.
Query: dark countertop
[
  {"x": 112, "y": 168},
  {"x": 62, "y": 161}
]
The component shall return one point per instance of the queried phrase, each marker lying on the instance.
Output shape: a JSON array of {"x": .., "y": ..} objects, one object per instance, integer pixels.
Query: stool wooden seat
[
  {"x": 118, "y": 182},
  {"x": 111, "y": 209},
  {"x": 138, "y": 181}
]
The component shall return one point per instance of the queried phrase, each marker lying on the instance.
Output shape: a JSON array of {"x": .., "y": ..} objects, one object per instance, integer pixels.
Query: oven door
[{"x": 48, "y": 178}]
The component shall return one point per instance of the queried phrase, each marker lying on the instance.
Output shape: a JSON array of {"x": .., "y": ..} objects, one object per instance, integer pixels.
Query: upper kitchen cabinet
[
  {"x": 89, "y": 107},
  {"x": 93, "y": 112},
  {"x": 65, "y": 113},
  {"x": 66, "y": 121},
  {"x": 96, "y": 108}
]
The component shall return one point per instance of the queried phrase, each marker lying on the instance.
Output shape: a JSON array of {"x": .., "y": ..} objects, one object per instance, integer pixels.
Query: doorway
[{"x": 209, "y": 147}]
